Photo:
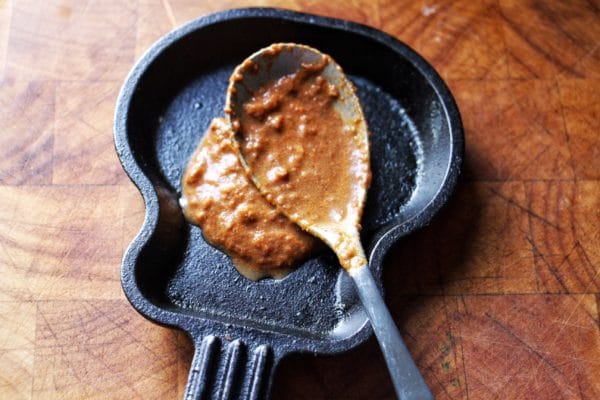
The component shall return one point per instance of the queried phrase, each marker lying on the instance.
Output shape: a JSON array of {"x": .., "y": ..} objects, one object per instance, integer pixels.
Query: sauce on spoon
[{"x": 305, "y": 142}]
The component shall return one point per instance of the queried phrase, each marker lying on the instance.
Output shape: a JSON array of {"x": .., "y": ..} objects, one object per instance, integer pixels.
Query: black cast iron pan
[{"x": 242, "y": 329}]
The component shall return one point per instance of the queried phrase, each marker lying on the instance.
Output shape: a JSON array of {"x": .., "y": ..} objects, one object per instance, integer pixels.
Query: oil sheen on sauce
[
  {"x": 233, "y": 215},
  {"x": 307, "y": 161}
]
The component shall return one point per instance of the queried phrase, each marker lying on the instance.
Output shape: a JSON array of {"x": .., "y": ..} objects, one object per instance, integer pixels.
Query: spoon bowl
[{"x": 267, "y": 66}]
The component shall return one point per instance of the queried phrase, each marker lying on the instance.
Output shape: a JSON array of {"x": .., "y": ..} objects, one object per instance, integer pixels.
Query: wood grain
[
  {"x": 580, "y": 106},
  {"x": 463, "y": 39},
  {"x": 84, "y": 41},
  {"x": 531, "y": 346},
  {"x": 17, "y": 348},
  {"x": 497, "y": 299},
  {"x": 506, "y": 237},
  {"x": 83, "y": 152},
  {"x": 549, "y": 38},
  {"x": 27, "y": 160},
  {"x": 516, "y": 137},
  {"x": 60, "y": 242},
  {"x": 5, "y": 17},
  {"x": 81, "y": 346}
]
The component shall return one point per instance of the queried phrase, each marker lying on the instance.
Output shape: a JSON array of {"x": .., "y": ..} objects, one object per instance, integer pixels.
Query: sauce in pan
[{"x": 220, "y": 198}]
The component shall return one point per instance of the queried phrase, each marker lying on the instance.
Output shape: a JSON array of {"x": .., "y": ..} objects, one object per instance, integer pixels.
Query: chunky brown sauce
[
  {"x": 220, "y": 198},
  {"x": 307, "y": 161}
]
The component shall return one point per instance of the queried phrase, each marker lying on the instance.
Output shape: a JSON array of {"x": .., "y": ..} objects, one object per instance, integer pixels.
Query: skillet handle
[{"x": 230, "y": 370}]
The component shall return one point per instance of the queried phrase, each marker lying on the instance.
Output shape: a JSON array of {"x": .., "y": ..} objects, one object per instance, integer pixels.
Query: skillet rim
[{"x": 197, "y": 326}]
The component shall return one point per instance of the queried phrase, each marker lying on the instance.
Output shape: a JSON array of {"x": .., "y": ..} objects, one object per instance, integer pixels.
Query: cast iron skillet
[{"x": 242, "y": 329}]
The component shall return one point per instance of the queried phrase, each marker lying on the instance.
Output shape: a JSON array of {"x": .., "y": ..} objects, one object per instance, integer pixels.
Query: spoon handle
[{"x": 408, "y": 381}]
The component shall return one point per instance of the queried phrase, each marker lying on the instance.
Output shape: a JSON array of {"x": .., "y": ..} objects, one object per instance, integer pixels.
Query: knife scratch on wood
[{"x": 169, "y": 12}]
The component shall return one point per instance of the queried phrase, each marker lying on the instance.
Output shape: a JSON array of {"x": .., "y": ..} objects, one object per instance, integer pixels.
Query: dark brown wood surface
[{"x": 497, "y": 299}]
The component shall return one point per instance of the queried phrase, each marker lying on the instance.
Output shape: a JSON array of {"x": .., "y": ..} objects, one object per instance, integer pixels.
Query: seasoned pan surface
[{"x": 172, "y": 276}]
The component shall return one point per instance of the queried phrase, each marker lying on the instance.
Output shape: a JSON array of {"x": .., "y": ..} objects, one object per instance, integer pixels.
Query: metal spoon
[{"x": 263, "y": 68}]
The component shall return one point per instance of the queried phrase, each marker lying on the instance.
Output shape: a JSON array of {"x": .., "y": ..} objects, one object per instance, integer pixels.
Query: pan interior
[{"x": 183, "y": 88}]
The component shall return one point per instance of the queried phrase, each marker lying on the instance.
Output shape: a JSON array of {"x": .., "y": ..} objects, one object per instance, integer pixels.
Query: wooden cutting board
[{"x": 498, "y": 298}]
